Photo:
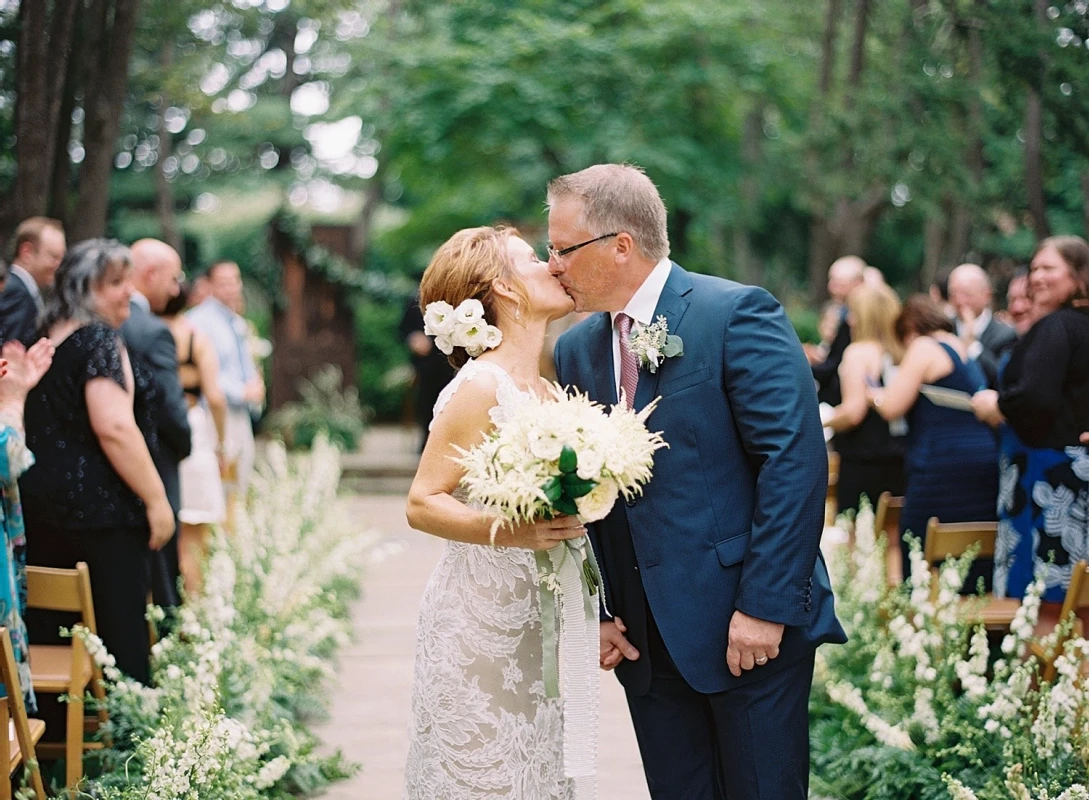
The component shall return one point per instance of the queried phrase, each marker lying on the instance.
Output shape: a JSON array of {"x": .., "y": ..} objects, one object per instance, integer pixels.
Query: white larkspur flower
[{"x": 439, "y": 318}]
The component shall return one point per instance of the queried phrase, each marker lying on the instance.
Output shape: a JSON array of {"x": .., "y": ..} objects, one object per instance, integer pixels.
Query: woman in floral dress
[{"x": 20, "y": 370}]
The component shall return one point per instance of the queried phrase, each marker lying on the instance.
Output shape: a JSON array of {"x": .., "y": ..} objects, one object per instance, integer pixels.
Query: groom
[{"x": 716, "y": 596}]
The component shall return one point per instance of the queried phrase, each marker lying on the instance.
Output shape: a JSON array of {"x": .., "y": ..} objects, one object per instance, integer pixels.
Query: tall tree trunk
[
  {"x": 112, "y": 24},
  {"x": 1034, "y": 141},
  {"x": 43, "y": 48},
  {"x": 164, "y": 189},
  {"x": 61, "y": 180},
  {"x": 933, "y": 245}
]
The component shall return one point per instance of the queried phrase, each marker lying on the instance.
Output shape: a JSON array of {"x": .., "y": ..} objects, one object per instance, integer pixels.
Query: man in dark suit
[
  {"x": 716, "y": 595},
  {"x": 156, "y": 271},
  {"x": 987, "y": 339},
  {"x": 39, "y": 248},
  {"x": 844, "y": 275}
]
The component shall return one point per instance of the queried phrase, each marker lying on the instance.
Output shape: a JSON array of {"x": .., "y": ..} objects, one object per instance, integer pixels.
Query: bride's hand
[{"x": 542, "y": 535}]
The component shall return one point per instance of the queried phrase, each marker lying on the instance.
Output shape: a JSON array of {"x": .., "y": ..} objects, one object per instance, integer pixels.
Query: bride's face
[{"x": 546, "y": 294}]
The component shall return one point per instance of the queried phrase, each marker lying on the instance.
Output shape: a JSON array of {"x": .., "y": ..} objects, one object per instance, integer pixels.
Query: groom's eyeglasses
[{"x": 558, "y": 254}]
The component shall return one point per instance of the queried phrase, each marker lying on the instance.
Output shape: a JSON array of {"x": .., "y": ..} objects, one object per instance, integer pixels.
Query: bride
[{"x": 482, "y": 725}]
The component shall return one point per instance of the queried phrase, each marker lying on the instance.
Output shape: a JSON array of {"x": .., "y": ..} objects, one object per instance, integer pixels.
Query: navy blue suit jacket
[
  {"x": 18, "y": 313},
  {"x": 733, "y": 516}
]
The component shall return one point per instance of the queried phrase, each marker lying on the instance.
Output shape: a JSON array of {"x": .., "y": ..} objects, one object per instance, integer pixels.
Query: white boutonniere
[{"x": 653, "y": 344}]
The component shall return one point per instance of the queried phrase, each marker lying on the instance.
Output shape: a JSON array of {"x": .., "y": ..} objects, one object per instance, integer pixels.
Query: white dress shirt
[
  {"x": 978, "y": 327},
  {"x": 640, "y": 308}
]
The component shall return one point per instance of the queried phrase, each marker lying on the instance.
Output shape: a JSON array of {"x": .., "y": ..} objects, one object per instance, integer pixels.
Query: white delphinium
[
  {"x": 850, "y": 697},
  {"x": 869, "y": 558},
  {"x": 972, "y": 672},
  {"x": 1024, "y": 620},
  {"x": 920, "y": 584},
  {"x": 1008, "y": 702},
  {"x": 947, "y": 607},
  {"x": 1015, "y": 784},
  {"x": 1063, "y": 704},
  {"x": 1075, "y": 792},
  {"x": 924, "y": 714},
  {"x": 957, "y": 790}
]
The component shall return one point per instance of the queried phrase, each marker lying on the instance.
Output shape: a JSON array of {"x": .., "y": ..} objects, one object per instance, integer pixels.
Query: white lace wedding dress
[{"x": 482, "y": 726}]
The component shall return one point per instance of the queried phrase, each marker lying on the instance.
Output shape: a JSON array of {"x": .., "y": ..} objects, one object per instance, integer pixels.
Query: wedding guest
[
  {"x": 94, "y": 494},
  {"x": 1043, "y": 398},
  {"x": 156, "y": 270},
  {"x": 872, "y": 276},
  {"x": 951, "y": 464},
  {"x": 39, "y": 247},
  {"x": 844, "y": 275},
  {"x": 1019, "y": 302},
  {"x": 987, "y": 339},
  {"x": 238, "y": 377},
  {"x": 203, "y": 503},
  {"x": 871, "y": 452},
  {"x": 20, "y": 370},
  {"x": 939, "y": 292}
]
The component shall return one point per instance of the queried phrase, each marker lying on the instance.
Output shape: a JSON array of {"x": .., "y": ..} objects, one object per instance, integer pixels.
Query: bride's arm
[{"x": 431, "y": 506}]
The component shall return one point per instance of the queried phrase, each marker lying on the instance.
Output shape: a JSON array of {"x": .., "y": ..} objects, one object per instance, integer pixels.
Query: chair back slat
[
  {"x": 55, "y": 589},
  {"x": 950, "y": 540},
  {"x": 16, "y": 711},
  {"x": 886, "y": 516},
  {"x": 1077, "y": 594}
]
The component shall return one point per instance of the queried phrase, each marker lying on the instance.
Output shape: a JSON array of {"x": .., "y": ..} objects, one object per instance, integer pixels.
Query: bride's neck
[{"x": 520, "y": 351}]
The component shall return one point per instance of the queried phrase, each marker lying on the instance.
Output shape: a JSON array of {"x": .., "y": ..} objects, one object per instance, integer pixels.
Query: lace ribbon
[{"x": 571, "y": 658}]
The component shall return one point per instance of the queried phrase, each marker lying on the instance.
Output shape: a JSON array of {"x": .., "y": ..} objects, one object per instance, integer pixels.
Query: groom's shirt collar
[{"x": 643, "y": 303}]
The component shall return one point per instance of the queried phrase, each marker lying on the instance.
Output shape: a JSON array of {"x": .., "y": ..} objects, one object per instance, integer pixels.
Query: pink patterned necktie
[{"x": 629, "y": 363}]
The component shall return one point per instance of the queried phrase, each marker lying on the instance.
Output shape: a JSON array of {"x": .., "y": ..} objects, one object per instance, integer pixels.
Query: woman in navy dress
[
  {"x": 1043, "y": 401},
  {"x": 951, "y": 465}
]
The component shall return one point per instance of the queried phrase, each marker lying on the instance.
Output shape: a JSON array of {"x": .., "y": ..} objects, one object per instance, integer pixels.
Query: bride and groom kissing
[{"x": 714, "y": 594}]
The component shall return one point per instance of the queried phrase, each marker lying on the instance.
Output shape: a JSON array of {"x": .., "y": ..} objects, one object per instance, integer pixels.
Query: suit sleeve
[
  {"x": 18, "y": 317},
  {"x": 828, "y": 369},
  {"x": 774, "y": 404},
  {"x": 173, "y": 415}
]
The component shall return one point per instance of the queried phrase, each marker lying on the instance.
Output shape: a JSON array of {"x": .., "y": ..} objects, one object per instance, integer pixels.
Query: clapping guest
[
  {"x": 871, "y": 453},
  {"x": 94, "y": 494},
  {"x": 1043, "y": 398},
  {"x": 986, "y": 338},
  {"x": 203, "y": 503},
  {"x": 39, "y": 248},
  {"x": 951, "y": 464},
  {"x": 1019, "y": 302},
  {"x": 844, "y": 275},
  {"x": 20, "y": 370}
]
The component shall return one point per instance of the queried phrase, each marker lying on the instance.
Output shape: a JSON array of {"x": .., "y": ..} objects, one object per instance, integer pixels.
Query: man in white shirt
[
  {"x": 39, "y": 248},
  {"x": 987, "y": 339}
]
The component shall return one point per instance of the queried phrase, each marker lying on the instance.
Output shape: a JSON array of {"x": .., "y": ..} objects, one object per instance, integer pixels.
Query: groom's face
[{"x": 587, "y": 273}]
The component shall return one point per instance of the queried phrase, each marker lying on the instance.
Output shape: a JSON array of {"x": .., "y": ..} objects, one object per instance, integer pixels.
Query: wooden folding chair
[
  {"x": 68, "y": 668},
  {"x": 1077, "y": 598},
  {"x": 886, "y": 518},
  {"x": 950, "y": 540},
  {"x": 13, "y": 715}
]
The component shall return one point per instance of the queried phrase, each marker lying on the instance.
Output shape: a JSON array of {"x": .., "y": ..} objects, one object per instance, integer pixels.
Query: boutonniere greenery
[{"x": 653, "y": 344}]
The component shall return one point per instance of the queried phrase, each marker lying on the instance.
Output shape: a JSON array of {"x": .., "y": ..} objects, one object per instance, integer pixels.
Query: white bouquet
[{"x": 560, "y": 455}]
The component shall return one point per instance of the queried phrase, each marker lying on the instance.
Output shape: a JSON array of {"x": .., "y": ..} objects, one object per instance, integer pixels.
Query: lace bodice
[{"x": 483, "y": 727}]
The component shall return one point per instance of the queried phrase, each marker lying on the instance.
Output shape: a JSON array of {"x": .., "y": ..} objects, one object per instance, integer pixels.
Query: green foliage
[
  {"x": 384, "y": 368},
  {"x": 325, "y": 409}
]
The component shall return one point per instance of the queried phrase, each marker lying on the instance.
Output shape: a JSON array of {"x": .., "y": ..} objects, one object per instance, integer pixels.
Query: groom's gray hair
[{"x": 617, "y": 198}]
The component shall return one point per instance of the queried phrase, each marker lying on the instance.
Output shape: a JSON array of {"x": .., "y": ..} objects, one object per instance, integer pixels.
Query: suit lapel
[
  {"x": 601, "y": 359},
  {"x": 672, "y": 305}
]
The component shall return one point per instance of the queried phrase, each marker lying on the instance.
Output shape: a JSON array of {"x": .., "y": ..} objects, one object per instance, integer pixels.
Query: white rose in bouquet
[
  {"x": 439, "y": 319},
  {"x": 599, "y": 502}
]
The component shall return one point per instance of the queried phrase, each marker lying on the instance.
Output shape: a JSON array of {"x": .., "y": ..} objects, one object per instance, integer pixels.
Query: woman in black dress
[
  {"x": 1043, "y": 397},
  {"x": 951, "y": 463},
  {"x": 94, "y": 494},
  {"x": 871, "y": 450}
]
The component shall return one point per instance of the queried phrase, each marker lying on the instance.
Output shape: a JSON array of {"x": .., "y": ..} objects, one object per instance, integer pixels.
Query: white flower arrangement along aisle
[
  {"x": 246, "y": 666},
  {"x": 920, "y": 705}
]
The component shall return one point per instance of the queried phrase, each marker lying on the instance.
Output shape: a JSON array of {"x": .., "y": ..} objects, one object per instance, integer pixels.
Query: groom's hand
[
  {"x": 753, "y": 642},
  {"x": 615, "y": 646}
]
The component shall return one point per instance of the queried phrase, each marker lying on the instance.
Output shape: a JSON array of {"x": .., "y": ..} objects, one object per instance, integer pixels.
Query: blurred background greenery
[{"x": 782, "y": 134}]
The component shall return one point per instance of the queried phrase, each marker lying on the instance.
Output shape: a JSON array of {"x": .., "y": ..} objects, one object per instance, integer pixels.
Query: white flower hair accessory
[
  {"x": 653, "y": 344},
  {"x": 463, "y": 326}
]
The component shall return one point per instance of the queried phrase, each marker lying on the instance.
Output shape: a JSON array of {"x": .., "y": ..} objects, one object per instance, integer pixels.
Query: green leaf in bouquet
[
  {"x": 566, "y": 505},
  {"x": 553, "y": 490},
  {"x": 575, "y": 487},
  {"x": 673, "y": 347},
  {"x": 569, "y": 460},
  {"x": 593, "y": 581}
]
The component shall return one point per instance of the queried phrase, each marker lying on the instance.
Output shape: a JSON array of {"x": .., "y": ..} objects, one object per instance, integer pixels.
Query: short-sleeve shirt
[{"x": 72, "y": 485}]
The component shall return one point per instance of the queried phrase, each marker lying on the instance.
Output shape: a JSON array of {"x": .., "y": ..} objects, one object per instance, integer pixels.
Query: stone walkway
[{"x": 370, "y": 717}]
